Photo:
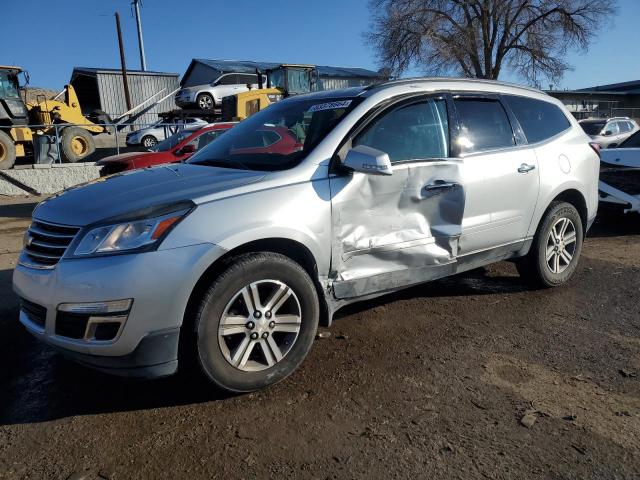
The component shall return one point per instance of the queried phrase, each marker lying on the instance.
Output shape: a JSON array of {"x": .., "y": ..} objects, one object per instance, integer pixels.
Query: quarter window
[
  {"x": 484, "y": 125},
  {"x": 414, "y": 132},
  {"x": 539, "y": 120}
]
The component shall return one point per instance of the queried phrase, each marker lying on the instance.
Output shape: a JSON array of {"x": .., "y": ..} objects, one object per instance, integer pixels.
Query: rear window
[
  {"x": 484, "y": 123},
  {"x": 539, "y": 120},
  {"x": 592, "y": 128}
]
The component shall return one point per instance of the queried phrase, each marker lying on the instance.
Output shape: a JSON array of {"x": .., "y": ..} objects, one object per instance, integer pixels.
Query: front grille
[
  {"x": 36, "y": 313},
  {"x": 47, "y": 242}
]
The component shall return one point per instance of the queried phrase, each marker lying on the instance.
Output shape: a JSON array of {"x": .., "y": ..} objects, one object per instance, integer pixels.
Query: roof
[
  {"x": 631, "y": 86},
  {"x": 248, "y": 66},
  {"x": 96, "y": 71},
  {"x": 9, "y": 67}
]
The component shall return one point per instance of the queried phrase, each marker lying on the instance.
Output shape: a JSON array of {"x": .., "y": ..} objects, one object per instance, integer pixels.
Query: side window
[
  {"x": 612, "y": 127},
  {"x": 624, "y": 127},
  {"x": 229, "y": 79},
  {"x": 270, "y": 137},
  {"x": 245, "y": 79},
  {"x": 484, "y": 125},
  {"x": 417, "y": 131},
  {"x": 206, "y": 138},
  {"x": 540, "y": 120}
]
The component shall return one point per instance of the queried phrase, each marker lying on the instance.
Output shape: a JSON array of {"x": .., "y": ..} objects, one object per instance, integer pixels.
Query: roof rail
[{"x": 404, "y": 81}]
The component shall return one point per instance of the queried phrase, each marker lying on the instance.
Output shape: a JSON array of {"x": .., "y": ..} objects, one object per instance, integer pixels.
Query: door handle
[
  {"x": 439, "y": 186},
  {"x": 524, "y": 168}
]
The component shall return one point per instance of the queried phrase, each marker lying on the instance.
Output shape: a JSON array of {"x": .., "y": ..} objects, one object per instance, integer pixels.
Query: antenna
[{"x": 136, "y": 8}]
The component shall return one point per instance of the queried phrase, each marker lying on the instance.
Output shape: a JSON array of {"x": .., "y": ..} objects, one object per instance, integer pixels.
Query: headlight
[{"x": 128, "y": 236}]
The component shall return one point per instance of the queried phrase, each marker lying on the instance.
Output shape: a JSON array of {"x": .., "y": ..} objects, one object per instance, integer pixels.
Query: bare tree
[{"x": 478, "y": 38}]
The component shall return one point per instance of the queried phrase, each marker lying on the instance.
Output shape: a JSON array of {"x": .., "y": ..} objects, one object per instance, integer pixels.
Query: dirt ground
[{"x": 434, "y": 382}]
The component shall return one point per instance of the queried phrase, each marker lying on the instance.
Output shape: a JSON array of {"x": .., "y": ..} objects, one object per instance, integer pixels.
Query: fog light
[{"x": 97, "y": 308}]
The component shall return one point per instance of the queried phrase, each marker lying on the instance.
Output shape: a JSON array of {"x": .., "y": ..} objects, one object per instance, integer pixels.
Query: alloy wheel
[
  {"x": 561, "y": 245},
  {"x": 260, "y": 325}
]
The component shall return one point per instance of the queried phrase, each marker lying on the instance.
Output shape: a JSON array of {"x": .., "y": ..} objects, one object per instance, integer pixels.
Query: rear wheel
[
  {"x": 76, "y": 144},
  {"x": 205, "y": 101},
  {"x": 554, "y": 254},
  {"x": 256, "y": 323},
  {"x": 149, "y": 141},
  {"x": 7, "y": 151}
]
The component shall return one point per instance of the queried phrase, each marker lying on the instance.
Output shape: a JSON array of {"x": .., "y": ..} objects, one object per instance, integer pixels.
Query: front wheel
[
  {"x": 205, "y": 101},
  {"x": 76, "y": 143},
  {"x": 256, "y": 323},
  {"x": 556, "y": 248},
  {"x": 7, "y": 151},
  {"x": 149, "y": 141}
]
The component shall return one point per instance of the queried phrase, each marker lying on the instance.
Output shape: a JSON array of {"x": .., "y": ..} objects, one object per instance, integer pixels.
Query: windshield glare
[
  {"x": 592, "y": 128},
  {"x": 172, "y": 141},
  {"x": 276, "y": 138}
]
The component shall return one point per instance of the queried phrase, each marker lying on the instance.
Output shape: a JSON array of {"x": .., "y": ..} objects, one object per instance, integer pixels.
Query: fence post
[
  {"x": 58, "y": 144},
  {"x": 115, "y": 130}
]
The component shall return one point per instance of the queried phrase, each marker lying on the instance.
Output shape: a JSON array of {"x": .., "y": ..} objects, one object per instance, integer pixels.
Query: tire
[
  {"x": 236, "y": 361},
  {"x": 7, "y": 151},
  {"x": 205, "y": 101},
  {"x": 76, "y": 144},
  {"x": 149, "y": 141},
  {"x": 542, "y": 271}
]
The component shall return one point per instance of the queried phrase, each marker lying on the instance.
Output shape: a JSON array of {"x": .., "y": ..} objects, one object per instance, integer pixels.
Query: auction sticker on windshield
[{"x": 329, "y": 106}]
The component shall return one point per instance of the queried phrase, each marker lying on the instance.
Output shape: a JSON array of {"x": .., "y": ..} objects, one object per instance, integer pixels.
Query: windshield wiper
[{"x": 220, "y": 162}]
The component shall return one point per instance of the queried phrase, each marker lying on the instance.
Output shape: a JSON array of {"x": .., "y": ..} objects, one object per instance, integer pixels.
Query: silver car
[
  {"x": 209, "y": 96},
  {"x": 609, "y": 132},
  {"x": 150, "y": 136},
  {"x": 234, "y": 258}
]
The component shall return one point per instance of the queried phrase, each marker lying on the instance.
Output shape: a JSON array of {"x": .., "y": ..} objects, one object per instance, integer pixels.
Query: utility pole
[
  {"x": 136, "y": 6},
  {"x": 123, "y": 64}
]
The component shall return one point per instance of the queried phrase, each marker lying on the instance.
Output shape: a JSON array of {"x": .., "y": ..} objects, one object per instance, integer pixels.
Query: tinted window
[
  {"x": 539, "y": 119},
  {"x": 484, "y": 125},
  {"x": 592, "y": 128},
  {"x": 247, "y": 78},
  {"x": 206, "y": 138},
  {"x": 230, "y": 79},
  {"x": 632, "y": 142},
  {"x": 417, "y": 131}
]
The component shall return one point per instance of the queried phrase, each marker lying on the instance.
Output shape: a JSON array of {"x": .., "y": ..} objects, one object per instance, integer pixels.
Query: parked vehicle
[
  {"x": 177, "y": 148},
  {"x": 208, "y": 97},
  {"x": 609, "y": 132},
  {"x": 620, "y": 175},
  {"x": 150, "y": 136},
  {"x": 234, "y": 257}
]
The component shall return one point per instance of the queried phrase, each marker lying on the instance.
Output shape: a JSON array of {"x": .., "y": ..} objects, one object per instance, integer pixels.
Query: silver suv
[
  {"x": 234, "y": 258},
  {"x": 209, "y": 96},
  {"x": 609, "y": 132}
]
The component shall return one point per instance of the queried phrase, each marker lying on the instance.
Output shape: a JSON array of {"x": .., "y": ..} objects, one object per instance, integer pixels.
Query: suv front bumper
[{"x": 160, "y": 284}]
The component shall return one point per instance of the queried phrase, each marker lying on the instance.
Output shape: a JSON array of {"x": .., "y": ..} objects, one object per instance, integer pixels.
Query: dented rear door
[{"x": 397, "y": 230}]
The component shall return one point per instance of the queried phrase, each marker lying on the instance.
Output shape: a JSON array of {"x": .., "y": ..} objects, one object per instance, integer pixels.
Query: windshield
[
  {"x": 276, "y": 138},
  {"x": 8, "y": 86},
  {"x": 172, "y": 141},
  {"x": 592, "y": 128}
]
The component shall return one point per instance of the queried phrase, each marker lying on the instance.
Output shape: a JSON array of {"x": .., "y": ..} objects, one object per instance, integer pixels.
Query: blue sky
[{"x": 49, "y": 38}]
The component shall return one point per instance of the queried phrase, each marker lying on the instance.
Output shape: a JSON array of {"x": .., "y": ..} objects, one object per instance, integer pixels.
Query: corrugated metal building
[
  {"x": 613, "y": 100},
  {"x": 202, "y": 71},
  {"x": 103, "y": 89}
]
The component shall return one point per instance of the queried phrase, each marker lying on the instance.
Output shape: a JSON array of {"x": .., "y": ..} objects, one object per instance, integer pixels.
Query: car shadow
[{"x": 612, "y": 222}]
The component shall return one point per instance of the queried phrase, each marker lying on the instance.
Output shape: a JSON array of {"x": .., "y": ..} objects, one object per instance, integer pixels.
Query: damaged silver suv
[{"x": 233, "y": 258}]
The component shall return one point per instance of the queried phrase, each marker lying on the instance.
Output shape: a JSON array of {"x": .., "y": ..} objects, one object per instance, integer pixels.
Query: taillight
[{"x": 596, "y": 147}]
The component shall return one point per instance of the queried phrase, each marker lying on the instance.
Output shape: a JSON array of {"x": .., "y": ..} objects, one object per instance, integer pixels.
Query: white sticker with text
[{"x": 330, "y": 106}]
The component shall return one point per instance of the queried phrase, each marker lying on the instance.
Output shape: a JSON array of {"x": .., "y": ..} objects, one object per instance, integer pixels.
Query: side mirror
[
  {"x": 369, "y": 160},
  {"x": 188, "y": 148},
  {"x": 607, "y": 133}
]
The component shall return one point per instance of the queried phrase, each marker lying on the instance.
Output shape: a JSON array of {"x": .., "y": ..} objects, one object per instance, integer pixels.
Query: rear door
[
  {"x": 397, "y": 230},
  {"x": 502, "y": 196}
]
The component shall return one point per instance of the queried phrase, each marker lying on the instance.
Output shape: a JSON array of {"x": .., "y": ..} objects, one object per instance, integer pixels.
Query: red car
[
  {"x": 178, "y": 147},
  {"x": 183, "y": 144}
]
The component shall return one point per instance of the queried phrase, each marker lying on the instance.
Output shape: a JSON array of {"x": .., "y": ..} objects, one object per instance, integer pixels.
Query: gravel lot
[{"x": 434, "y": 382}]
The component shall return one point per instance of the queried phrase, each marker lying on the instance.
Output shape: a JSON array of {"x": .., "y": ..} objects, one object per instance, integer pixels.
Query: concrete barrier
[{"x": 46, "y": 179}]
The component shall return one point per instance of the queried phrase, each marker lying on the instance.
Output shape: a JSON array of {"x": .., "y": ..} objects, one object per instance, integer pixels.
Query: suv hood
[{"x": 131, "y": 191}]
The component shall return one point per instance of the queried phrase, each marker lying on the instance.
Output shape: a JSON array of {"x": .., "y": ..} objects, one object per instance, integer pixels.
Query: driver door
[{"x": 395, "y": 230}]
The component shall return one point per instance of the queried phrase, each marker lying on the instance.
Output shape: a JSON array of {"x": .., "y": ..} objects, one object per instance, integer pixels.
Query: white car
[
  {"x": 620, "y": 174},
  {"x": 609, "y": 132},
  {"x": 150, "y": 136},
  {"x": 209, "y": 96}
]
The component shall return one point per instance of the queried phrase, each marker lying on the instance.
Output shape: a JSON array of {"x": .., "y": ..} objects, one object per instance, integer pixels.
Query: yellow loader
[
  {"x": 282, "y": 82},
  {"x": 16, "y": 138}
]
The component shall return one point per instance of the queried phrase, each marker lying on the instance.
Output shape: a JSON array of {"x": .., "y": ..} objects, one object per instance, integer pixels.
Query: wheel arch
[
  {"x": 292, "y": 249},
  {"x": 577, "y": 199}
]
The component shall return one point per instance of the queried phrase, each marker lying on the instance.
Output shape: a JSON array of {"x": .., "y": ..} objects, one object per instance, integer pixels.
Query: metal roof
[
  {"x": 632, "y": 86},
  {"x": 247, "y": 66},
  {"x": 96, "y": 71}
]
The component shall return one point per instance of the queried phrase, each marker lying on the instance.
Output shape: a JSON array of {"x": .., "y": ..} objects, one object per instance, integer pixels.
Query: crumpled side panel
[{"x": 391, "y": 228}]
